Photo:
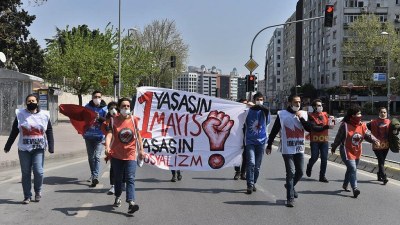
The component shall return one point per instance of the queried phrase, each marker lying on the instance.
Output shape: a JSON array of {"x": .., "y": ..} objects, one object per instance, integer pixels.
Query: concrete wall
[{"x": 68, "y": 98}]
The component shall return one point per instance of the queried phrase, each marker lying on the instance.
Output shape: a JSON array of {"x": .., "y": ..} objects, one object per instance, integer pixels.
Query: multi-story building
[
  {"x": 234, "y": 84},
  {"x": 288, "y": 57},
  {"x": 187, "y": 81},
  {"x": 273, "y": 69}
]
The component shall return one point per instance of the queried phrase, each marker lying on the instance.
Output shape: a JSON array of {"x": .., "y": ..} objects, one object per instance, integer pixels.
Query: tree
[
  {"x": 23, "y": 53},
  {"x": 163, "y": 40},
  {"x": 84, "y": 58},
  {"x": 366, "y": 51}
]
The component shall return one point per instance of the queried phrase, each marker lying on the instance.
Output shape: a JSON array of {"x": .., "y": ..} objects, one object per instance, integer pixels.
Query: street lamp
[
  {"x": 384, "y": 33},
  {"x": 119, "y": 49}
]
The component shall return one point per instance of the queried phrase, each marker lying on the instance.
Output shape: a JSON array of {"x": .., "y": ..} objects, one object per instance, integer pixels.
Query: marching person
[
  {"x": 121, "y": 147},
  {"x": 256, "y": 133},
  {"x": 36, "y": 134},
  {"x": 291, "y": 122},
  {"x": 380, "y": 129},
  {"x": 350, "y": 135},
  {"x": 94, "y": 137},
  {"x": 318, "y": 139}
]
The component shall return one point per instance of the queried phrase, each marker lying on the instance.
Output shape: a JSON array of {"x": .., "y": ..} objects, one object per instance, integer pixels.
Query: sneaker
[
  {"x": 90, "y": 179},
  {"x": 356, "y": 192},
  {"x": 132, "y": 207},
  {"x": 26, "y": 201},
  {"x": 345, "y": 188},
  {"x": 237, "y": 175},
  {"x": 111, "y": 191},
  {"x": 117, "y": 202},
  {"x": 308, "y": 171},
  {"x": 173, "y": 179},
  {"x": 179, "y": 176},
  {"x": 323, "y": 180},
  {"x": 290, "y": 203},
  {"x": 249, "y": 190},
  {"x": 254, "y": 188},
  {"x": 95, "y": 181},
  {"x": 37, "y": 197},
  {"x": 243, "y": 176}
]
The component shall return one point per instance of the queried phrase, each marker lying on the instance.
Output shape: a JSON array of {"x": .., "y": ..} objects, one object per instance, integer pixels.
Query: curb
[
  {"x": 9, "y": 164},
  {"x": 366, "y": 164}
]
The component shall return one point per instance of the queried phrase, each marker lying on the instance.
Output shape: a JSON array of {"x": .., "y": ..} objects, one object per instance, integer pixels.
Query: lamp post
[
  {"x": 388, "y": 78},
  {"x": 119, "y": 50}
]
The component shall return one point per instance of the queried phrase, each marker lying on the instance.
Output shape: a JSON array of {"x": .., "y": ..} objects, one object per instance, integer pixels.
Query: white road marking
[{"x": 84, "y": 213}]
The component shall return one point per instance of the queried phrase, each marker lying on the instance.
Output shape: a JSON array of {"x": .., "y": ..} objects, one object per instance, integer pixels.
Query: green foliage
[
  {"x": 366, "y": 48},
  {"x": 21, "y": 52}
]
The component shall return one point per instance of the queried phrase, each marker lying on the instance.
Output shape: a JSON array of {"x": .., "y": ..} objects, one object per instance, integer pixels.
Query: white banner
[{"x": 189, "y": 131}]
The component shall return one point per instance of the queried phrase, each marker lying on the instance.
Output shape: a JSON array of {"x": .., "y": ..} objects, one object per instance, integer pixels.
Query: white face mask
[
  {"x": 259, "y": 102},
  {"x": 125, "y": 112},
  {"x": 319, "y": 109},
  {"x": 295, "y": 108},
  {"x": 97, "y": 101},
  {"x": 113, "y": 112}
]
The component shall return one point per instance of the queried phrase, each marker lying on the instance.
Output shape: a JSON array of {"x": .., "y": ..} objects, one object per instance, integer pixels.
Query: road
[{"x": 200, "y": 198}]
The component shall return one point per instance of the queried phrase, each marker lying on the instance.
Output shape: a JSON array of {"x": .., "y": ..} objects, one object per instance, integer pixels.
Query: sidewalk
[{"x": 67, "y": 144}]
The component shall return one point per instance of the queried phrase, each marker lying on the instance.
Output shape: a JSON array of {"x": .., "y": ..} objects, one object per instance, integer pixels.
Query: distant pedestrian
[
  {"x": 318, "y": 139},
  {"x": 240, "y": 171},
  {"x": 176, "y": 175},
  {"x": 256, "y": 133},
  {"x": 291, "y": 123},
  {"x": 36, "y": 134},
  {"x": 380, "y": 129},
  {"x": 94, "y": 137},
  {"x": 122, "y": 141},
  {"x": 349, "y": 137}
]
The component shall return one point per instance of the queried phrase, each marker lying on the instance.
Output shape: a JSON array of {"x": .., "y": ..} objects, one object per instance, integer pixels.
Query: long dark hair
[{"x": 353, "y": 110}]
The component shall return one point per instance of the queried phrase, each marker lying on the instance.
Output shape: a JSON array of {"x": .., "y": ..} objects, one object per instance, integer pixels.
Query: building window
[
  {"x": 278, "y": 65},
  {"x": 333, "y": 49},
  {"x": 278, "y": 80},
  {"x": 279, "y": 41},
  {"x": 278, "y": 72},
  {"x": 278, "y": 56},
  {"x": 334, "y": 35},
  {"x": 333, "y": 76},
  {"x": 334, "y": 63},
  {"x": 278, "y": 49}
]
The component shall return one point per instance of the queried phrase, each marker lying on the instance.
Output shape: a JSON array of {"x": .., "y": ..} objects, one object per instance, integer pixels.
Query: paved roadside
[{"x": 68, "y": 144}]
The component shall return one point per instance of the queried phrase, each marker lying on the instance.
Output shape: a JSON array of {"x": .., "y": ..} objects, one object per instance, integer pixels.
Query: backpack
[{"x": 394, "y": 138}]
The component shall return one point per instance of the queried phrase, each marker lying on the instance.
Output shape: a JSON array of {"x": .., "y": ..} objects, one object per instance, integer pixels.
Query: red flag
[{"x": 81, "y": 117}]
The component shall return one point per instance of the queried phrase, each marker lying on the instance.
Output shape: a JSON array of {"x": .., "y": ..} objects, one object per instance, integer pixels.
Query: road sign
[
  {"x": 251, "y": 65},
  {"x": 379, "y": 77}
]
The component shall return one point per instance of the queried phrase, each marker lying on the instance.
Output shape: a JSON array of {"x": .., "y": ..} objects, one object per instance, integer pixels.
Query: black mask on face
[{"x": 32, "y": 106}]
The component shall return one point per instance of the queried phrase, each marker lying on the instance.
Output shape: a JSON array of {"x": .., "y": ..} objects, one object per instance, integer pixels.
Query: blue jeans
[
  {"x": 318, "y": 148},
  {"x": 351, "y": 171},
  {"x": 94, "y": 149},
  {"x": 29, "y": 160},
  {"x": 127, "y": 168},
  {"x": 294, "y": 164},
  {"x": 254, "y": 154}
]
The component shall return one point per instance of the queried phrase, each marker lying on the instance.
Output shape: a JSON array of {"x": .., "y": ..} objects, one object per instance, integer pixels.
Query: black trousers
[{"x": 381, "y": 156}]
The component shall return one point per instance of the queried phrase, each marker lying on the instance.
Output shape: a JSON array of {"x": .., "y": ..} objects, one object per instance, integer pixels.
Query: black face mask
[{"x": 32, "y": 106}]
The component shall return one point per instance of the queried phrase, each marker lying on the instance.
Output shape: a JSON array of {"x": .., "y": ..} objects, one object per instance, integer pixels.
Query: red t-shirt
[{"x": 123, "y": 143}]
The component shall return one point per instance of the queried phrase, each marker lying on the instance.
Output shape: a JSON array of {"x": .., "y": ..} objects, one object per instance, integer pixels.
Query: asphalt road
[{"x": 200, "y": 198}]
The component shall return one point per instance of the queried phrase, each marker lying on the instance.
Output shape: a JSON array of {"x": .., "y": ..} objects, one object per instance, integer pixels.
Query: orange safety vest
[
  {"x": 353, "y": 141},
  {"x": 380, "y": 129},
  {"x": 321, "y": 119}
]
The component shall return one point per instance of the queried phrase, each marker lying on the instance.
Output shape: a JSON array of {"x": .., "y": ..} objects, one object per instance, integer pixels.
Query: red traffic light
[
  {"x": 251, "y": 77},
  {"x": 329, "y": 8}
]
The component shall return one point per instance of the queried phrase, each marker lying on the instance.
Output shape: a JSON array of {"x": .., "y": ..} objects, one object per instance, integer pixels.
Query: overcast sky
[{"x": 218, "y": 32}]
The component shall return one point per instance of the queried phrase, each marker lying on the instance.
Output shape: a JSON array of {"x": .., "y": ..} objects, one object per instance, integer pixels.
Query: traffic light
[
  {"x": 173, "y": 61},
  {"x": 328, "y": 16},
  {"x": 250, "y": 83},
  {"x": 115, "y": 79}
]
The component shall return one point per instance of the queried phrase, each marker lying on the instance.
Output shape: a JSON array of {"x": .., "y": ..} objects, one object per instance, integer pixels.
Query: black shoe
[
  {"x": 290, "y": 203},
  {"x": 249, "y": 190},
  {"x": 379, "y": 177},
  {"x": 179, "y": 177},
  {"x": 117, "y": 202},
  {"x": 323, "y": 179},
  {"x": 308, "y": 171},
  {"x": 132, "y": 208},
  {"x": 243, "y": 176},
  {"x": 254, "y": 188},
  {"x": 37, "y": 197},
  {"x": 356, "y": 192},
  {"x": 173, "y": 178},
  {"x": 95, "y": 181},
  {"x": 237, "y": 175},
  {"x": 384, "y": 179},
  {"x": 295, "y": 195}
]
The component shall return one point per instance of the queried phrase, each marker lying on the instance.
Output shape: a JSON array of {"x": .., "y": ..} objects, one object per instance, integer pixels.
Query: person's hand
[
  {"x": 51, "y": 151},
  {"x": 377, "y": 143},
  {"x": 6, "y": 150},
  {"x": 298, "y": 114},
  {"x": 141, "y": 155},
  {"x": 217, "y": 127},
  {"x": 107, "y": 150},
  {"x": 268, "y": 151}
]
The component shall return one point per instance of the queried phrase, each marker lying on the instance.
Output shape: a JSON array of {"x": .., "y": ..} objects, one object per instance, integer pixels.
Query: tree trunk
[{"x": 80, "y": 99}]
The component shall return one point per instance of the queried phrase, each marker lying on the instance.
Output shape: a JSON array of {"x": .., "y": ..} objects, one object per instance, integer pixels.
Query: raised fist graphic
[{"x": 217, "y": 127}]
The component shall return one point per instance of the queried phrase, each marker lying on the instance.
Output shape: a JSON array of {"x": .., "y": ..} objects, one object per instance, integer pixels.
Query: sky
[{"x": 219, "y": 32}]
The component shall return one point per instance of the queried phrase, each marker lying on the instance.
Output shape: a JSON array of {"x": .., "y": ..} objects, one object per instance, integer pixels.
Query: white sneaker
[{"x": 111, "y": 191}]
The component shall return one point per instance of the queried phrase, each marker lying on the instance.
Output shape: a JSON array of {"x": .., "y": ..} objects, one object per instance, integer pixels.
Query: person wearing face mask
[
  {"x": 94, "y": 137},
  {"x": 256, "y": 133},
  {"x": 349, "y": 137},
  {"x": 380, "y": 129},
  {"x": 318, "y": 139},
  {"x": 36, "y": 134},
  {"x": 291, "y": 123},
  {"x": 122, "y": 141}
]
